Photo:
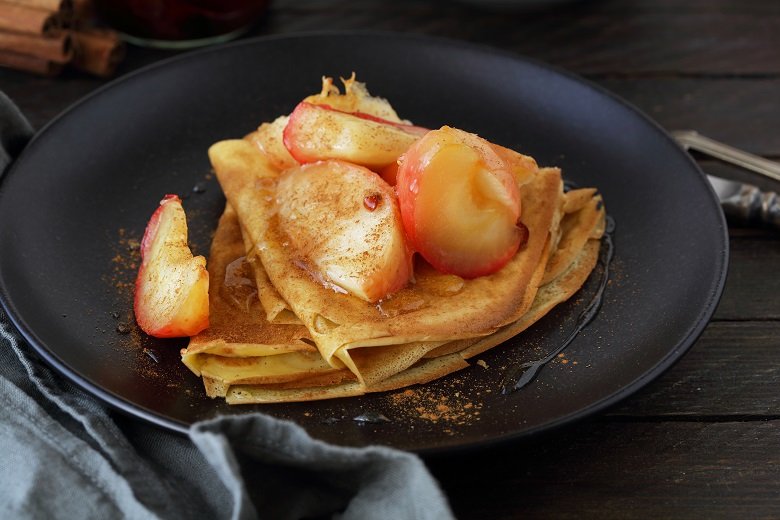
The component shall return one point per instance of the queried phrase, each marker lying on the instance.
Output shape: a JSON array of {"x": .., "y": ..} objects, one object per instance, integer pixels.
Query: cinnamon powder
[{"x": 435, "y": 406}]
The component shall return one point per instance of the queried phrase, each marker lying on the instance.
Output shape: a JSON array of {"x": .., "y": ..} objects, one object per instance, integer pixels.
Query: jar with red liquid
[{"x": 177, "y": 24}]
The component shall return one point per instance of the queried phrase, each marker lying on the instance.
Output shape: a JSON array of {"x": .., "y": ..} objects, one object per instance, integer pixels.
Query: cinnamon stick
[
  {"x": 47, "y": 5},
  {"x": 31, "y": 64},
  {"x": 29, "y": 20},
  {"x": 57, "y": 48},
  {"x": 97, "y": 51}
]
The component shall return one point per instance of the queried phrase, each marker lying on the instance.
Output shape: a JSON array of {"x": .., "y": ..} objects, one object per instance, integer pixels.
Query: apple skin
[
  {"x": 389, "y": 173},
  {"x": 343, "y": 221},
  {"x": 171, "y": 290},
  {"x": 319, "y": 132},
  {"x": 459, "y": 203}
]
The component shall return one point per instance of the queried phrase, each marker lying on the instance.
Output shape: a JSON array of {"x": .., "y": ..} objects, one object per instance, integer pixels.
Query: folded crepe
[
  {"x": 241, "y": 346},
  {"x": 346, "y": 346}
]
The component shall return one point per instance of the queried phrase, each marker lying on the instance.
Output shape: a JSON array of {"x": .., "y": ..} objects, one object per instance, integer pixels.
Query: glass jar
[{"x": 180, "y": 24}]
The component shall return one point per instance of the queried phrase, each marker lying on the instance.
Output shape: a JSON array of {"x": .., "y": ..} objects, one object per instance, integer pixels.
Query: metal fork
[{"x": 741, "y": 202}]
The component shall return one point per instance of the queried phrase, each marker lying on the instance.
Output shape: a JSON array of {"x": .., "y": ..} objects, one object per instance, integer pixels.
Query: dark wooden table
[{"x": 703, "y": 440}]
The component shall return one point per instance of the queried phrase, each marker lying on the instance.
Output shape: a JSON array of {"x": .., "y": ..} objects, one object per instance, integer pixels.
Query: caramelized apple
[
  {"x": 459, "y": 203},
  {"x": 172, "y": 287},
  {"x": 344, "y": 223},
  {"x": 319, "y": 132}
]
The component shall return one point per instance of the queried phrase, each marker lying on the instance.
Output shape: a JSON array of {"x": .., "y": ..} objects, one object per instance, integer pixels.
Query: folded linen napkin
[{"x": 64, "y": 455}]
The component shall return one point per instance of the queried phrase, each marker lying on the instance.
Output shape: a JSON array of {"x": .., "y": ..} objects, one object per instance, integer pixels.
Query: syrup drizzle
[
  {"x": 524, "y": 374},
  {"x": 371, "y": 202}
]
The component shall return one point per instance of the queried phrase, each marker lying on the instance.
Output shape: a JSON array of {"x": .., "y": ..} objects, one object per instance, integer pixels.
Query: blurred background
[{"x": 669, "y": 44}]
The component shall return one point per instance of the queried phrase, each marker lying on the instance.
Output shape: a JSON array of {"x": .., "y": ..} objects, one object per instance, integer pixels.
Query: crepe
[
  {"x": 276, "y": 309},
  {"x": 242, "y": 348},
  {"x": 435, "y": 308},
  {"x": 423, "y": 332},
  {"x": 453, "y": 356},
  {"x": 241, "y": 345}
]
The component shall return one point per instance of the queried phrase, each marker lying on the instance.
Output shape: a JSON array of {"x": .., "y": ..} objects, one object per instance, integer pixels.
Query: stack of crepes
[{"x": 278, "y": 333}]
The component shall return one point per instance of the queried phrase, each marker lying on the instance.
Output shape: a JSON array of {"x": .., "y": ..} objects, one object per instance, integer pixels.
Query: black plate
[{"x": 83, "y": 190}]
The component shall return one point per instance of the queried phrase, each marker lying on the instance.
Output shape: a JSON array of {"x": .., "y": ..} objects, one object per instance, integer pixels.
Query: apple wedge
[
  {"x": 344, "y": 223},
  {"x": 319, "y": 132},
  {"x": 172, "y": 287},
  {"x": 459, "y": 203}
]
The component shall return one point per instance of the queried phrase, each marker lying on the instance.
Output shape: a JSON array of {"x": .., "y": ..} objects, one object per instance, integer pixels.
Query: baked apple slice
[
  {"x": 460, "y": 203},
  {"x": 319, "y": 132},
  {"x": 172, "y": 287},
  {"x": 344, "y": 223}
]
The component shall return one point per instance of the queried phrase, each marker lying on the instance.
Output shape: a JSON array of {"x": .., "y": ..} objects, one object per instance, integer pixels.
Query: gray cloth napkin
[{"x": 64, "y": 455}]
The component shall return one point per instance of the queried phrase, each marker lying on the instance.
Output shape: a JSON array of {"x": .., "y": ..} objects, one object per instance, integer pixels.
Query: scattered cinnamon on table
[{"x": 45, "y": 36}]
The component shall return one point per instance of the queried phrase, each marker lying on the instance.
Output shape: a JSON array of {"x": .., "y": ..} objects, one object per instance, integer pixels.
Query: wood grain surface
[{"x": 702, "y": 440}]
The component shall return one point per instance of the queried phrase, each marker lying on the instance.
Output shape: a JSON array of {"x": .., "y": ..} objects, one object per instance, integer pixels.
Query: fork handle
[
  {"x": 751, "y": 205},
  {"x": 695, "y": 141}
]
